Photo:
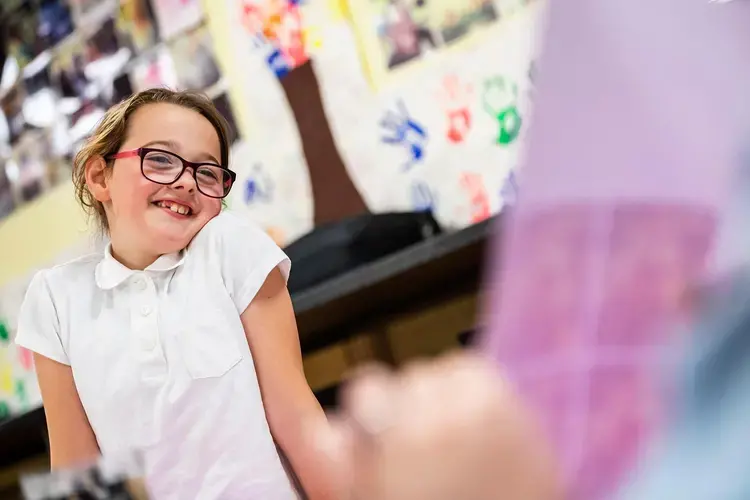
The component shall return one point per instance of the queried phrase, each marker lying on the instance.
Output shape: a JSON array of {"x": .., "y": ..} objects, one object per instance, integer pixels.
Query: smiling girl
[{"x": 179, "y": 341}]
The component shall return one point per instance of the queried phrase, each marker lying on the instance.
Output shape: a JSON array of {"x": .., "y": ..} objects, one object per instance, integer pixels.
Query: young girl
[
  {"x": 179, "y": 343},
  {"x": 148, "y": 346}
]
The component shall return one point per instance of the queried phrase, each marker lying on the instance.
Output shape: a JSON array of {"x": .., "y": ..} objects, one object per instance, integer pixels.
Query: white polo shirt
[{"x": 161, "y": 361}]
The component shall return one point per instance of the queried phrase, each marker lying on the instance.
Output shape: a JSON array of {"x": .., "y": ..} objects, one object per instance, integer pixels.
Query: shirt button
[
  {"x": 146, "y": 311},
  {"x": 140, "y": 284}
]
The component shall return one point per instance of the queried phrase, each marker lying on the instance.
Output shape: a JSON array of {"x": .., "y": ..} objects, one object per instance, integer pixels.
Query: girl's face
[{"x": 142, "y": 224}]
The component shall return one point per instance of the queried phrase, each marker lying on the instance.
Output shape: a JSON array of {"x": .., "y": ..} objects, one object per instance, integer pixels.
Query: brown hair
[{"x": 111, "y": 131}]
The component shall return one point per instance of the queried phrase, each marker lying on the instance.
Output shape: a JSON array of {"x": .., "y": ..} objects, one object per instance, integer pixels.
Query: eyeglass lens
[{"x": 165, "y": 168}]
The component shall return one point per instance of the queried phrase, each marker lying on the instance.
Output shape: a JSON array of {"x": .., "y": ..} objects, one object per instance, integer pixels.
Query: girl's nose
[{"x": 185, "y": 181}]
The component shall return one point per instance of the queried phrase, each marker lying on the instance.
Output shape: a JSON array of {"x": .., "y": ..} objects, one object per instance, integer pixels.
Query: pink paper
[{"x": 641, "y": 110}]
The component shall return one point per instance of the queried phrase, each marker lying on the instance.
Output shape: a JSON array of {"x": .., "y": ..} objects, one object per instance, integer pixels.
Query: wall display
[
  {"x": 272, "y": 154},
  {"x": 446, "y": 135},
  {"x": 136, "y": 17},
  {"x": 225, "y": 108},
  {"x": 277, "y": 26},
  {"x": 154, "y": 69},
  {"x": 33, "y": 29},
  {"x": 39, "y": 105},
  {"x": 19, "y": 391},
  {"x": 176, "y": 16},
  {"x": 90, "y": 12},
  {"x": 12, "y": 106},
  {"x": 7, "y": 198},
  {"x": 268, "y": 192},
  {"x": 395, "y": 33},
  {"x": 194, "y": 60},
  {"x": 106, "y": 50},
  {"x": 28, "y": 167}
]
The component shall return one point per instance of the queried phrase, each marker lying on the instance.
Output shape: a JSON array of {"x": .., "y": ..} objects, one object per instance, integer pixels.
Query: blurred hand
[{"x": 450, "y": 429}]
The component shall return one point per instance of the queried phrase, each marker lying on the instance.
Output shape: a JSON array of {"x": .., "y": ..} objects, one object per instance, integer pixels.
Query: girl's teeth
[{"x": 175, "y": 208}]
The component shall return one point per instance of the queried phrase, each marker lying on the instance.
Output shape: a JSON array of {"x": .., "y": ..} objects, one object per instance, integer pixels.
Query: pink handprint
[
  {"x": 480, "y": 204},
  {"x": 455, "y": 97},
  {"x": 26, "y": 359}
]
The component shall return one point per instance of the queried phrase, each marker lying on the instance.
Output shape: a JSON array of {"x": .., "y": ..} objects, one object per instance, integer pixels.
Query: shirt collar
[{"x": 110, "y": 272}]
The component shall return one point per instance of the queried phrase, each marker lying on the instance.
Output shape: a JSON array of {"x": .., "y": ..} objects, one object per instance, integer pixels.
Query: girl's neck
[{"x": 131, "y": 258}]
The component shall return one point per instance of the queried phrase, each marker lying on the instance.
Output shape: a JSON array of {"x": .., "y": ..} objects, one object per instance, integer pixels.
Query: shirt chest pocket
[{"x": 210, "y": 343}]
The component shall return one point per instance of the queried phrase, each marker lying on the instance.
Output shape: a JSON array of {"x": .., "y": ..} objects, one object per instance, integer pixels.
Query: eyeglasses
[{"x": 165, "y": 167}]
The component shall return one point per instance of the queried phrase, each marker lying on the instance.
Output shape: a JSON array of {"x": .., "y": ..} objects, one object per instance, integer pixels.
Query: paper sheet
[{"x": 640, "y": 121}]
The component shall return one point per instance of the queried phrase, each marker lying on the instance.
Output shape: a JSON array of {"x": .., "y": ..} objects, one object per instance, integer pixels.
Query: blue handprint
[
  {"x": 405, "y": 131},
  {"x": 423, "y": 199},
  {"x": 278, "y": 63},
  {"x": 258, "y": 187}
]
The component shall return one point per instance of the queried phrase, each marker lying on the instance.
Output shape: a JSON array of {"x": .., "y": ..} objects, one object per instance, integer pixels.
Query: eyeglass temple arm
[{"x": 125, "y": 154}]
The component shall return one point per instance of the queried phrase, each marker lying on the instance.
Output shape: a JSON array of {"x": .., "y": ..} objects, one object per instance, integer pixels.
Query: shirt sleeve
[
  {"x": 38, "y": 323},
  {"x": 247, "y": 256}
]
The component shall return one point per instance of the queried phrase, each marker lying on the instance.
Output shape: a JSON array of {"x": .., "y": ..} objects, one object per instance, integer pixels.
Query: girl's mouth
[{"x": 174, "y": 207}]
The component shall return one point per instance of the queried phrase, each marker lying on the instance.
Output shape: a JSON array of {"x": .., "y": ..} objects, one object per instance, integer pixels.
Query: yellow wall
[{"x": 35, "y": 234}]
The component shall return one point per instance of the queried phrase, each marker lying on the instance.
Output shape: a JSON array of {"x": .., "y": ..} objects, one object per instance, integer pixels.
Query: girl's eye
[
  {"x": 160, "y": 159},
  {"x": 207, "y": 174}
]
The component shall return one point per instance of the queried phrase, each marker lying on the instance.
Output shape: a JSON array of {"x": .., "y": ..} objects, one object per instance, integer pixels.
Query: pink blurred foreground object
[{"x": 641, "y": 110}]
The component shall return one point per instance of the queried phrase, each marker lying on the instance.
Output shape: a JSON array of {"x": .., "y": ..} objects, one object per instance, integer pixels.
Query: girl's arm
[
  {"x": 291, "y": 408},
  {"x": 71, "y": 439}
]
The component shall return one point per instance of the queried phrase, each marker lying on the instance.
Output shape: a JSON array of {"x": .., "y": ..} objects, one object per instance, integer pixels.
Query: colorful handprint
[
  {"x": 402, "y": 130},
  {"x": 473, "y": 184},
  {"x": 455, "y": 97},
  {"x": 4, "y": 333},
  {"x": 258, "y": 187},
  {"x": 501, "y": 101},
  {"x": 423, "y": 199},
  {"x": 277, "y": 25}
]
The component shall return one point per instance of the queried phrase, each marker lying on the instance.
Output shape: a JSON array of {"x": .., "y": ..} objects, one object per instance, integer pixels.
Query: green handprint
[
  {"x": 501, "y": 101},
  {"x": 21, "y": 394},
  {"x": 4, "y": 332}
]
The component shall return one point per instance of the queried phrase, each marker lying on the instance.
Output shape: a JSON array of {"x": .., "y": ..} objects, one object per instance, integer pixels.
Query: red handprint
[
  {"x": 455, "y": 97},
  {"x": 480, "y": 203}
]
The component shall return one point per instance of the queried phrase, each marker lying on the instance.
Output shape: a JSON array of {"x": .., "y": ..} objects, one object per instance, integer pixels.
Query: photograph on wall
[
  {"x": 396, "y": 34},
  {"x": 27, "y": 167},
  {"x": 7, "y": 200},
  {"x": 176, "y": 16},
  {"x": 40, "y": 104},
  {"x": 154, "y": 69},
  {"x": 55, "y": 22},
  {"x": 411, "y": 29},
  {"x": 90, "y": 12},
  {"x": 107, "y": 51},
  {"x": 136, "y": 17},
  {"x": 23, "y": 43},
  {"x": 12, "y": 107},
  {"x": 225, "y": 108},
  {"x": 194, "y": 60}
]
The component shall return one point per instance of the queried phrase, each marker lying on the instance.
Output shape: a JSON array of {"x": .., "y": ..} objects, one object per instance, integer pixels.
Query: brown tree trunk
[{"x": 334, "y": 195}]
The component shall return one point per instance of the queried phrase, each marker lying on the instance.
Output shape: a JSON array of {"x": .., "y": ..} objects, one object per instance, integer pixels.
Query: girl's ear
[{"x": 97, "y": 177}]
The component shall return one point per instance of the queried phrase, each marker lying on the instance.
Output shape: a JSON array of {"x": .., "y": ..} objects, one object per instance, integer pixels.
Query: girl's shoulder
[
  {"x": 69, "y": 277},
  {"x": 229, "y": 233}
]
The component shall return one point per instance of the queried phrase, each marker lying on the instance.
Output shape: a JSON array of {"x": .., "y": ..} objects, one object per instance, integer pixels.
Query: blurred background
[{"x": 375, "y": 140}]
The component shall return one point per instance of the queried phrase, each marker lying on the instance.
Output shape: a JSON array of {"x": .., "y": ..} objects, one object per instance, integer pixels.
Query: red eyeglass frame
[{"x": 142, "y": 152}]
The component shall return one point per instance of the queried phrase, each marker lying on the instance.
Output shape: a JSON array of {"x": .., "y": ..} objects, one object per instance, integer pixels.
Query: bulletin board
[{"x": 442, "y": 131}]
